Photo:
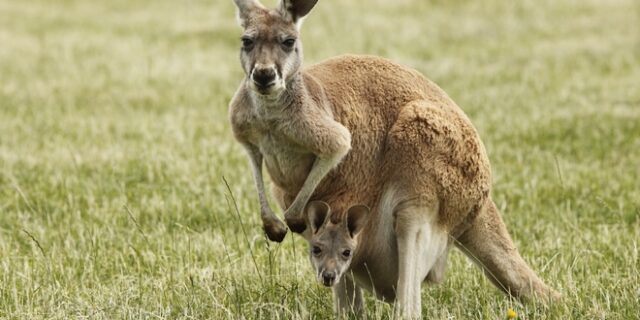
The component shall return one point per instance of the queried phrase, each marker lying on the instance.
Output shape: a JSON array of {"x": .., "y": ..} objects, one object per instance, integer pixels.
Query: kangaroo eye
[
  {"x": 247, "y": 42},
  {"x": 346, "y": 253},
  {"x": 316, "y": 250},
  {"x": 289, "y": 43}
]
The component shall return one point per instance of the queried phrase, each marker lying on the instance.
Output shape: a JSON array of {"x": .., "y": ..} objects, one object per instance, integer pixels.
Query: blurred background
[{"x": 114, "y": 142}]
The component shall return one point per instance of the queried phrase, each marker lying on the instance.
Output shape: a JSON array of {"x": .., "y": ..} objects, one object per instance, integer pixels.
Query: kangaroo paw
[{"x": 275, "y": 230}]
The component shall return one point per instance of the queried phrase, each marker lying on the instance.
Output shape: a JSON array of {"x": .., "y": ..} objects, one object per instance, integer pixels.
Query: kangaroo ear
[
  {"x": 296, "y": 9},
  {"x": 316, "y": 214},
  {"x": 245, "y": 7},
  {"x": 356, "y": 218}
]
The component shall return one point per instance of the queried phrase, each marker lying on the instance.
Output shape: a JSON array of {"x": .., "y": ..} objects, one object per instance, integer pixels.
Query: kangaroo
[{"x": 364, "y": 130}]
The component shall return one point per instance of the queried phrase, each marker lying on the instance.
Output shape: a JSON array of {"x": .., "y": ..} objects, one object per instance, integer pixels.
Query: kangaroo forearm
[
  {"x": 255, "y": 159},
  {"x": 320, "y": 169},
  {"x": 321, "y": 135},
  {"x": 329, "y": 141},
  {"x": 334, "y": 141},
  {"x": 273, "y": 227}
]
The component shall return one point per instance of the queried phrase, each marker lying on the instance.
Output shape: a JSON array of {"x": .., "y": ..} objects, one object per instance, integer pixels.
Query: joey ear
[
  {"x": 316, "y": 213},
  {"x": 245, "y": 7},
  {"x": 356, "y": 218},
  {"x": 297, "y": 9}
]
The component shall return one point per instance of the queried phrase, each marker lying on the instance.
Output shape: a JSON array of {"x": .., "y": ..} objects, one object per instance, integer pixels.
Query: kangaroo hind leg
[
  {"x": 437, "y": 272},
  {"x": 420, "y": 244}
]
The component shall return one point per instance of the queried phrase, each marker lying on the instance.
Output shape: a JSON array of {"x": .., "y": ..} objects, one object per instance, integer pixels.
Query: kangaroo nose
[
  {"x": 328, "y": 278},
  {"x": 264, "y": 77}
]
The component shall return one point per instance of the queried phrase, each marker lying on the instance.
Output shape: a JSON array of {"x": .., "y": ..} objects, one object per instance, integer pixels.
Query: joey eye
[
  {"x": 289, "y": 43},
  {"x": 316, "y": 250},
  {"x": 346, "y": 253},
  {"x": 247, "y": 43}
]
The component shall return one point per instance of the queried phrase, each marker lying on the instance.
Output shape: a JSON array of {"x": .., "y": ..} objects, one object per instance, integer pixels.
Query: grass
[{"x": 114, "y": 142}]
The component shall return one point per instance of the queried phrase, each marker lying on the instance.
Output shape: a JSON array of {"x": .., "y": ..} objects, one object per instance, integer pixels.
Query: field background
[{"x": 114, "y": 141}]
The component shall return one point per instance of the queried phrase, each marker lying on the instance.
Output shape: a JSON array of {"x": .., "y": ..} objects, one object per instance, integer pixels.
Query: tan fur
[{"x": 364, "y": 130}]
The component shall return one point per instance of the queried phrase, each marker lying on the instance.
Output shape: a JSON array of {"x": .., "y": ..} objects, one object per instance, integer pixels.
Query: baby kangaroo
[{"x": 364, "y": 130}]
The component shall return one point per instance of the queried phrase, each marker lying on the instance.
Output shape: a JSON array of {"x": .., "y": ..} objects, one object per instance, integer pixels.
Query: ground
[{"x": 114, "y": 142}]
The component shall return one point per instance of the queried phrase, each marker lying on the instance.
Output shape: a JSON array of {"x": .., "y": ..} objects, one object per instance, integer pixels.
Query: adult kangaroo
[{"x": 364, "y": 130}]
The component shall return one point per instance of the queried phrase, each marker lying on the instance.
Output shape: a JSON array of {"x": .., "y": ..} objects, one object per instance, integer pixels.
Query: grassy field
[{"x": 114, "y": 142}]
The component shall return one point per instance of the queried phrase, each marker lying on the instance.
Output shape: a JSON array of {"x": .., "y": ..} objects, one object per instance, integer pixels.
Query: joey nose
[
  {"x": 328, "y": 278},
  {"x": 264, "y": 77}
]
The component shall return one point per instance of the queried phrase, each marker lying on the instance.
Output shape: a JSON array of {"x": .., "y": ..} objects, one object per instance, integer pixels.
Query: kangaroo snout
[
  {"x": 328, "y": 278},
  {"x": 263, "y": 77}
]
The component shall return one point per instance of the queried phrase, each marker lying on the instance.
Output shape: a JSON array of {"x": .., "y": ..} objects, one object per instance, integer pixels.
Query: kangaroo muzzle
[
  {"x": 328, "y": 278},
  {"x": 264, "y": 78}
]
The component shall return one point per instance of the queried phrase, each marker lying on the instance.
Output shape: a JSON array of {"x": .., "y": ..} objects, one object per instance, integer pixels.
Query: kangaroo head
[
  {"x": 333, "y": 239},
  {"x": 271, "y": 52}
]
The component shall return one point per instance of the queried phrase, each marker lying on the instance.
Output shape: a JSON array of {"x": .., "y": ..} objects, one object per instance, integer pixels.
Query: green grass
[{"x": 114, "y": 141}]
